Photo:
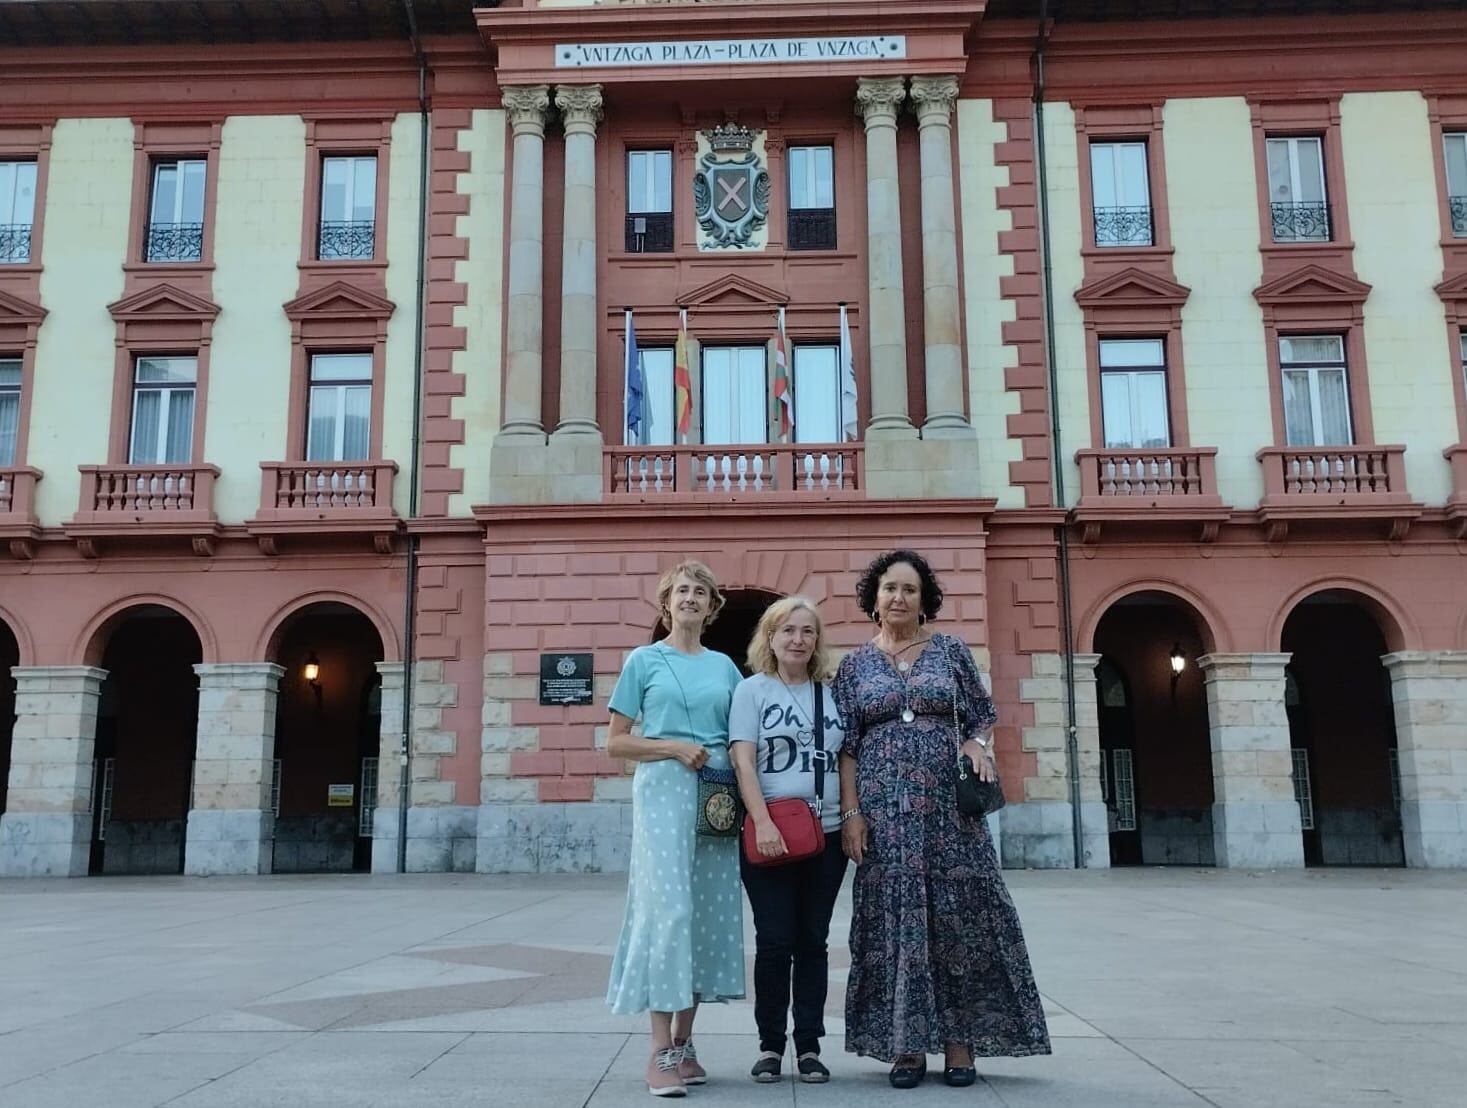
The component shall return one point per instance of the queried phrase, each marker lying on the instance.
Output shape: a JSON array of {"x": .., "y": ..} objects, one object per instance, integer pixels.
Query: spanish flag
[
  {"x": 682, "y": 382},
  {"x": 783, "y": 400}
]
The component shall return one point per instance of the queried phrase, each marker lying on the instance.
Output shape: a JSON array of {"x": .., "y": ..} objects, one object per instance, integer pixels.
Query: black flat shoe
[
  {"x": 960, "y": 1077},
  {"x": 908, "y": 1076}
]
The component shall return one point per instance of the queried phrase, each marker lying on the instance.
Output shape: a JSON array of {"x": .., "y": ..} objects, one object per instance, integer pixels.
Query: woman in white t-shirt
[{"x": 779, "y": 751}]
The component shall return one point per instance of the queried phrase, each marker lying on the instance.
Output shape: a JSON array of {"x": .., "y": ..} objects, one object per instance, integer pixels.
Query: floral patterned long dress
[{"x": 937, "y": 954}]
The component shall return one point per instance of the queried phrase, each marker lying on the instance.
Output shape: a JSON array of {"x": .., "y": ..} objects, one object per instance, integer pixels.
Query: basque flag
[
  {"x": 783, "y": 398},
  {"x": 636, "y": 388}
]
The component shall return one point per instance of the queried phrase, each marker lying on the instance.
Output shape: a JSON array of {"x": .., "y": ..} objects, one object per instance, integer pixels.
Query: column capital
[
  {"x": 29, "y": 678},
  {"x": 527, "y": 106},
  {"x": 878, "y": 99},
  {"x": 242, "y": 673},
  {"x": 580, "y": 107},
  {"x": 933, "y": 99},
  {"x": 1243, "y": 667}
]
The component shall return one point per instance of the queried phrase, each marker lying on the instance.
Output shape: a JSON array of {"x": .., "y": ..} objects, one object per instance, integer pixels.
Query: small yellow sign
[{"x": 340, "y": 796}]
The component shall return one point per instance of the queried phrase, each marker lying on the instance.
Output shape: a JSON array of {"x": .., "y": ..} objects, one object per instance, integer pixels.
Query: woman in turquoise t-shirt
[{"x": 682, "y": 939}]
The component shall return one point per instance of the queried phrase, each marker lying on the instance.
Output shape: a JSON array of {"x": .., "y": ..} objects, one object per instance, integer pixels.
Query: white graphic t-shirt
[{"x": 779, "y": 719}]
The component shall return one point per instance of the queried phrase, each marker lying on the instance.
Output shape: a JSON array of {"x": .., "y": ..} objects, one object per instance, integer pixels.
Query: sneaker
[
  {"x": 688, "y": 1069},
  {"x": 812, "y": 1070},
  {"x": 766, "y": 1069},
  {"x": 662, "y": 1075}
]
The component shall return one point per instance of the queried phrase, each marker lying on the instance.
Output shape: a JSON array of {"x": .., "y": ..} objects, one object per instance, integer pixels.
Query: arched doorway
[
  {"x": 9, "y": 657},
  {"x": 147, "y": 724},
  {"x": 1156, "y": 756},
  {"x": 327, "y": 734},
  {"x": 1342, "y": 731}
]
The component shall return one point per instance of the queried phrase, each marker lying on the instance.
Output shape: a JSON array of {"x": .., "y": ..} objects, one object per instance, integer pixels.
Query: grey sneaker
[
  {"x": 766, "y": 1069},
  {"x": 812, "y": 1069}
]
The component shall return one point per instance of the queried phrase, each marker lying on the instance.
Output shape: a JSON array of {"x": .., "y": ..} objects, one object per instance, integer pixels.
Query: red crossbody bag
[{"x": 798, "y": 820}]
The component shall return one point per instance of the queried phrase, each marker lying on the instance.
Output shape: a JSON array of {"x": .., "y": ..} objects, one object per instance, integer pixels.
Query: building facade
[{"x": 333, "y": 504}]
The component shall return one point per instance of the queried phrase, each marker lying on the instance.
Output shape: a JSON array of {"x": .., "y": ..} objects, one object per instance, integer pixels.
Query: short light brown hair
[
  {"x": 699, "y": 573},
  {"x": 761, "y": 646}
]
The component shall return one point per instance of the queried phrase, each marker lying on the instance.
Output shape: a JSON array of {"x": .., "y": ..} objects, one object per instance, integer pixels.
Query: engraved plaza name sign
[{"x": 733, "y": 51}]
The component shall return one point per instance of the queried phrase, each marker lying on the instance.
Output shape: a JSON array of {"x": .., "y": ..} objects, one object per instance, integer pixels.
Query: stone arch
[
  {"x": 268, "y": 643},
  {"x": 1400, "y": 631},
  {"x": 1216, "y": 636},
  {"x": 92, "y": 643},
  {"x": 25, "y": 648}
]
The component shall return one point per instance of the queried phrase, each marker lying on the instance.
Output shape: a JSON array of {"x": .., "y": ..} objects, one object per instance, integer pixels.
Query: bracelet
[{"x": 850, "y": 813}]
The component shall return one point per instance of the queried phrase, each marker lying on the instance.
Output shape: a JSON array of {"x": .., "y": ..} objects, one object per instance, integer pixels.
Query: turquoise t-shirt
[{"x": 677, "y": 696}]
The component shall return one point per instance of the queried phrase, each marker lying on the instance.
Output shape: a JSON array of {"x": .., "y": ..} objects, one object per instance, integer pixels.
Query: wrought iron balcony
[
  {"x": 812, "y": 229},
  {"x": 1124, "y": 226},
  {"x": 175, "y": 242},
  {"x": 340, "y": 241},
  {"x": 649, "y": 233},
  {"x": 1302, "y": 222},
  {"x": 15, "y": 243},
  {"x": 805, "y": 471},
  {"x": 1457, "y": 204}
]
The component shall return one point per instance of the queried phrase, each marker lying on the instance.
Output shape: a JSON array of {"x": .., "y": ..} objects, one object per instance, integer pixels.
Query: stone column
[
  {"x": 878, "y": 99},
  {"x": 527, "y": 106},
  {"x": 231, "y": 827},
  {"x": 933, "y": 99},
  {"x": 46, "y": 830},
  {"x": 388, "y": 815},
  {"x": 1429, "y": 691},
  {"x": 1255, "y": 818},
  {"x": 580, "y": 107}
]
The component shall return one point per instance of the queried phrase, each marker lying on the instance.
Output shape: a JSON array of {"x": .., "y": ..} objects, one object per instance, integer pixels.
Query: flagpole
[
  {"x": 683, "y": 321},
  {"x": 626, "y": 383}
]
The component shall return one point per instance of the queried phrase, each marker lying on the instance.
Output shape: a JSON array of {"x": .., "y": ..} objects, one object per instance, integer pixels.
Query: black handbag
[{"x": 976, "y": 797}]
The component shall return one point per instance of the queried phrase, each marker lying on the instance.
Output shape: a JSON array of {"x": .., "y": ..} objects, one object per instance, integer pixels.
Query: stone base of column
[
  {"x": 442, "y": 839},
  {"x": 517, "y": 468},
  {"x": 573, "y": 462},
  {"x": 554, "y": 838},
  {"x": 1038, "y": 834},
  {"x": 948, "y": 426},
  {"x": 921, "y": 468},
  {"x": 45, "y": 844},
  {"x": 384, "y": 840},
  {"x": 1435, "y": 833},
  {"x": 1429, "y": 695},
  {"x": 228, "y": 841},
  {"x": 1264, "y": 835}
]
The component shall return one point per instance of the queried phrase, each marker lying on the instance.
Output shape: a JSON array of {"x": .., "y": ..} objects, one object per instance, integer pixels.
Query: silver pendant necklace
[
  {"x": 903, "y": 667},
  {"x": 810, "y": 716}
]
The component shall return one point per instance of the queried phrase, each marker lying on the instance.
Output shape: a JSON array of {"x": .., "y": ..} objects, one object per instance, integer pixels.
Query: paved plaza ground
[{"x": 1164, "y": 988}]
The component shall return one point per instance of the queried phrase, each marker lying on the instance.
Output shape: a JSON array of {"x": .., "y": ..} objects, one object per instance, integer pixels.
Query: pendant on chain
[
  {"x": 904, "y": 665},
  {"x": 908, "y": 715}
]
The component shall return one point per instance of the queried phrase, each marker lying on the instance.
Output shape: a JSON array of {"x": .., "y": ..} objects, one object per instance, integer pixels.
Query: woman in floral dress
[{"x": 938, "y": 961}]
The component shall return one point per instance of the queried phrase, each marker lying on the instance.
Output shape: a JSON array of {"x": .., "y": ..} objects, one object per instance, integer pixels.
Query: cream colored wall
[
  {"x": 1068, "y": 269},
  {"x": 257, "y": 242},
  {"x": 1391, "y": 183},
  {"x": 402, "y": 289},
  {"x": 88, "y": 196},
  {"x": 985, "y": 309},
  {"x": 482, "y": 273},
  {"x": 1213, "y": 205}
]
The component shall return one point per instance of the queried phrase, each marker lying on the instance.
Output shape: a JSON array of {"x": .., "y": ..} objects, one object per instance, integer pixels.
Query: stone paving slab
[{"x": 1163, "y": 988}]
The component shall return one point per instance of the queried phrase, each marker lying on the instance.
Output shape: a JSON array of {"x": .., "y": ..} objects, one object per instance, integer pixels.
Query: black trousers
[{"x": 792, "y": 907}]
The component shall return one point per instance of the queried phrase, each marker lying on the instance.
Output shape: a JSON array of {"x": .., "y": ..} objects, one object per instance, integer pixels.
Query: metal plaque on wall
[{"x": 566, "y": 678}]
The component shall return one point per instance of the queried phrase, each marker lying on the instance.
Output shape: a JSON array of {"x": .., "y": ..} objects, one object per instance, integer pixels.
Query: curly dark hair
[{"x": 931, "y": 590}]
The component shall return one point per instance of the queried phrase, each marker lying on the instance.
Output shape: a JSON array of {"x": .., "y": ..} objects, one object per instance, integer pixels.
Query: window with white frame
[
  {"x": 1298, "y": 202},
  {"x": 658, "y": 424},
  {"x": 176, "y": 211},
  {"x": 1133, "y": 394},
  {"x": 339, "y": 416},
  {"x": 649, "y": 201},
  {"x": 1316, "y": 390},
  {"x": 17, "y": 211},
  {"x": 735, "y": 395},
  {"x": 816, "y": 388},
  {"x": 812, "y": 198},
  {"x": 1121, "y": 190},
  {"x": 163, "y": 411},
  {"x": 9, "y": 409},
  {"x": 348, "y": 207},
  {"x": 1455, "y": 144}
]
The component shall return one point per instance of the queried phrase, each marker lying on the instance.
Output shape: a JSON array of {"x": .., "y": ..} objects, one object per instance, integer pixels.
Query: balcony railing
[
  {"x": 814, "y": 471},
  {"x": 1124, "y": 226},
  {"x": 1456, "y": 457},
  {"x": 1151, "y": 474},
  {"x": 117, "y": 492},
  {"x": 1302, "y": 222},
  {"x": 18, "y": 509},
  {"x": 326, "y": 498},
  {"x": 175, "y": 242},
  {"x": 1458, "y": 207},
  {"x": 339, "y": 241},
  {"x": 1334, "y": 471},
  {"x": 15, "y": 243}
]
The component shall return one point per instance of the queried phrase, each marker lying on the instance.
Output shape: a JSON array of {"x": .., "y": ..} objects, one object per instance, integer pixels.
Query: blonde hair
[
  {"x": 761, "y": 646},
  {"x": 698, "y": 572}
]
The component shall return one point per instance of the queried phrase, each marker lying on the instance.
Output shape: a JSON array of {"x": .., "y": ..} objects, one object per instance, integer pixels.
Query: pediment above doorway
[{"x": 732, "y": 292}]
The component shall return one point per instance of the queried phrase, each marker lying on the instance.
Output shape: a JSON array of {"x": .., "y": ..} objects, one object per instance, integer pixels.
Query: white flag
[{"x": 847, "y": 380}]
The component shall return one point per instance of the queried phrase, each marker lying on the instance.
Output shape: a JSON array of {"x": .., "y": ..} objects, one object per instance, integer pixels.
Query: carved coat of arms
[{"x": 730, "y": 189}]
